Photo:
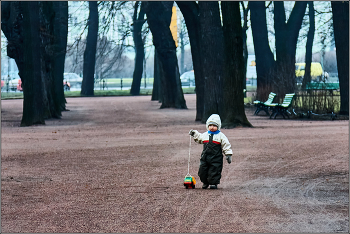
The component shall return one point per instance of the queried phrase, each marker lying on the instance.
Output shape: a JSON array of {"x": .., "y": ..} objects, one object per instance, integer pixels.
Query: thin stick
[{"x": 189, "y": 157}]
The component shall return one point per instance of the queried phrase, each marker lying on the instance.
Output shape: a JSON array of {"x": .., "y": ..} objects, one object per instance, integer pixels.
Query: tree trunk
[
  {"x": 139, "y": 49},
  {"x": 182, "y": 52},
  {"x": 245, "y": 47},
  {"x": 341, "y": 36},
  {"x": 156, "y": 79},
  {"x": 213, "y": 50},
  {"x": 309, "y": 42},
  {"x": 233, "y": 114},
  {"x": 52, "y": 100},
  {"x": 286, "y": 35},
  {"x": 263, "y": 56},
  {"x": 87, "y": 88},
  {"x": 46, "y": 16},
  {"x": 32, "y": 84},
  {"x": 60, "y": 45},
  {"x": 12, "y": 27},
  {"x": 190, "y": 11},
  {"x": 158, "y": 17}
]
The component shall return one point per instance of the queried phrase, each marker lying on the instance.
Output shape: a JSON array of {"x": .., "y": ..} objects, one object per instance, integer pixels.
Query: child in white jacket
[{"x": 215, "y": 143}]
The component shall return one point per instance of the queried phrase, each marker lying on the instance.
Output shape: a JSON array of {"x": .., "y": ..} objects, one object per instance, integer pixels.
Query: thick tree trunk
[
  {"x": 12, "y": 27},
  {"x": 158, "y": 17},
  {"x": 156, "y": 79},
  {"x": 87, "y": 88},
  {"x": 47, "y": 15},
  {"x": 32, "y": 84},
  {"x": 52, "y": 101},
  {"x": 212, "y": 51},
  {"x": 341, "y": 36},
  {"x": 190, "y": 11},
  {"x": 60, "y": 45},
  {"x": 309, "y": 42},
  {"x": 286, "y": 41},
  {"x": 263, "y": 56},
  {"x": 139, "y": 49},
  {"x": 233, "y": 114}
]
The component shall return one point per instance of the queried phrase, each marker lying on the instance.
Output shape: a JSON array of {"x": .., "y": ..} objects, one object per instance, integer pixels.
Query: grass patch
[{"x": 11, "y": 95}]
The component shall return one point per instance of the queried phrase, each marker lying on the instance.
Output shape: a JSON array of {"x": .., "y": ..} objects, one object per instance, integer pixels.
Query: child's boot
[
  {"x": 205, "y": 186},
  {"x": 213, "y": 186}
]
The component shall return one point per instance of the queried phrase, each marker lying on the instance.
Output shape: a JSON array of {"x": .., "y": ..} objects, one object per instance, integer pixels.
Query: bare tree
[
  {"x": 87, "y": 87},
  {"x": 184, "y": 40},
  {"x": 138, "y": 21},
  {"x": 309, "y": 43},
  {"x": 190, "y": 11},
  {"x": 341, "y": 36},
  {"x": 244, "y": 35},
  {"x": 212, "y": 48},
  {"x": 33, "y": 108},
  {"x": 48, "y": 34},
  {"x": 234, "y": 113},
  {"x": 263, "y": 55},
  {"x": 158, "y": 18}
]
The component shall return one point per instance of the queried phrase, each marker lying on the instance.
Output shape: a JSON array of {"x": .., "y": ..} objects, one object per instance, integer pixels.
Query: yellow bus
[{"x": 316, "y": 70}]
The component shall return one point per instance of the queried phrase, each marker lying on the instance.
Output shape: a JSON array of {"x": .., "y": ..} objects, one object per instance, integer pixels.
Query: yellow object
[
  {"x": 173, "y": 25},
  {"x": 316, "y": 70}
]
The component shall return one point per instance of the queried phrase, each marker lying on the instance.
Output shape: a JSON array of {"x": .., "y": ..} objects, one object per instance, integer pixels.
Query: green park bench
[
  {"x": 264, "y": 105},
  {"x": 282, "y": 109},
  {"x": 322, "y": 86}
]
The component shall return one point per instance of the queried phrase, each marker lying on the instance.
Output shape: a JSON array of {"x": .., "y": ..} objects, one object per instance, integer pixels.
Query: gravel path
[{"x": 117, "y": 164}]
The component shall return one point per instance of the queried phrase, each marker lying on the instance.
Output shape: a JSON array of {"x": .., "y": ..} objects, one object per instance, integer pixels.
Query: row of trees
[{"x": 217, "y": 42}]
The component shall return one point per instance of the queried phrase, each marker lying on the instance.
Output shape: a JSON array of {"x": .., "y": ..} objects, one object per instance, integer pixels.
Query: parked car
[
  {"x": 13, "y": 84},
  {"x": 187, "y": 79},
  {"x": 74, "y": 79}
]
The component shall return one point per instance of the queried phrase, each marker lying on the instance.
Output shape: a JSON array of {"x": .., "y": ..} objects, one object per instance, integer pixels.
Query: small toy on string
[{"x": 189, "y": 181}]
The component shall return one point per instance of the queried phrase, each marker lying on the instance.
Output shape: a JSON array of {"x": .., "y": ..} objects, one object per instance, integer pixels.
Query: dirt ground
[{"x": 117, "y": 164}]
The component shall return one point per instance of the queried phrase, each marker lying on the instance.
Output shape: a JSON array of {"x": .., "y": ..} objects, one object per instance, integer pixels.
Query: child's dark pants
[{"x": 211, "y": 162}]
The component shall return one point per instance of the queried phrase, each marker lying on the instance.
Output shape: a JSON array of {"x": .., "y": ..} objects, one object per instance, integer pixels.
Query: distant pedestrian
[{"x": 215, "y": 144}]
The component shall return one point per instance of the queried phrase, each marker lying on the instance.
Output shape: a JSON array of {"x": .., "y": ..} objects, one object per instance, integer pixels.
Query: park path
[{"x": 116, "y": 164}]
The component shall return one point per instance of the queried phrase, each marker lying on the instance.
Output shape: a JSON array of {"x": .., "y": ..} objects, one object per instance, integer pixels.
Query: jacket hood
[{"x": 214, "y": 119}]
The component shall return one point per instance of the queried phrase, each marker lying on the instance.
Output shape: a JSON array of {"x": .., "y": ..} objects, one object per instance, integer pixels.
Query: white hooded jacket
[{"x": 218, "y": 137}]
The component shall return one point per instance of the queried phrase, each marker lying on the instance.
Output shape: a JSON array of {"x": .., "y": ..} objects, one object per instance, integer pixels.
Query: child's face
[{"x": 212, "y": 128}]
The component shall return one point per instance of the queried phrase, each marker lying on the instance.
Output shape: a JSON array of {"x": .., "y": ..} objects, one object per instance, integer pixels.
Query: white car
[
  {"x": 187, "y": 78},
  {"x": 73, "y": 78}
]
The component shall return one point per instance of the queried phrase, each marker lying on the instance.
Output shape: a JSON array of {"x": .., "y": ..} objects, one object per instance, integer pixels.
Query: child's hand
[
  {"x": 228, "y": 158},
  {"x": 191, "y": 132}
]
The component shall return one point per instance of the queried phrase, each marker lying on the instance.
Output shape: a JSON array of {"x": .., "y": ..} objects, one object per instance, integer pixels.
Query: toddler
[{"x": 215, "y": 143}]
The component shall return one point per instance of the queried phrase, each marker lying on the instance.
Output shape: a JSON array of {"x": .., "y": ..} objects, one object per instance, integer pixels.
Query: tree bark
[
  {"x": 156, "y": 79},
  {"x": 158, "y": 17},
  {"x": 341, "y": 36},
  {"x": 233, "y": 114},
  {"x": 182, "y": 52},
  {"x": 309, "y": 42},
  {"x": 190, "y": 11},
  {"x": 263, "y": 56},
  {"x": 46, "y": 16},
  {"x": 138, "y": 22},
  {"x": 244, "y": 36},
  {"x": 60, "y": 45},
  {"x": 87, "y": 88},
  {"x": 12, "y": 27},
  {"x": 32, "y": 84},
  {"x": 286, "y": 35},
  {"x": 212, "y": 51}
]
